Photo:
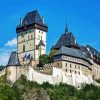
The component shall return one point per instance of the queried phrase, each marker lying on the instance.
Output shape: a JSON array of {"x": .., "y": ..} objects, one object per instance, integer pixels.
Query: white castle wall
[
  {"x": 39, "y": 77},
  {"x": 58, "y": 76}
]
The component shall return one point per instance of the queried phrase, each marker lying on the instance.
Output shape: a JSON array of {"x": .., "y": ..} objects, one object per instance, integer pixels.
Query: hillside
[{"x": 23, "y": 89}]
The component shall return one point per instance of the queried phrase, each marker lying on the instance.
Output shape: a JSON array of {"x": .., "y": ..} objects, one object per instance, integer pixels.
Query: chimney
[
  {"x": 20, "y": 21},
  {"x": 42, "y": 19}
]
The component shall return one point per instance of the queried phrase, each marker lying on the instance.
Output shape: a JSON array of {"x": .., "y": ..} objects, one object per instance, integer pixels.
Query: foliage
[
  {"x": 51, "y": 55},
  {"x": 46, "y": 85},
  {"x": 89, "y": 92},
  {"x": 3, "y": 79},
  {"x": 23, "y": 89},
  {"x": 7, "y": 93},
  {"x": 43, "y": 59}
]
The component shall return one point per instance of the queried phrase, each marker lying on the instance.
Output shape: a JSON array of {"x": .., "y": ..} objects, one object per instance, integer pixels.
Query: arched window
[{"x": 23, "y": 48}]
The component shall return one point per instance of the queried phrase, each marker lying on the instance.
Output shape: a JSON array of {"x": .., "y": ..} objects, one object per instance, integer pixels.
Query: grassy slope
[{"x": 27, "y": 90}]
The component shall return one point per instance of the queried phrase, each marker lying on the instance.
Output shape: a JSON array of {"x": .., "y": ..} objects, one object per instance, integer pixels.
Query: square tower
[{"x": 31, "y": 37}]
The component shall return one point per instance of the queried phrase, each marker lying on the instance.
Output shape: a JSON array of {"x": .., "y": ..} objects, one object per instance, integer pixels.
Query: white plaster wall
[
  {"x": 39, "y": 77},
  {"x": 11, "y": 73},
  {"x": 43, "y": 34},
  {"x": 57, "y": 72}
]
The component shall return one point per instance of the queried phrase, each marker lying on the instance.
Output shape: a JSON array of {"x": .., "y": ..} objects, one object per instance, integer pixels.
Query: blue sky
[{"x": 83, "y": 17}]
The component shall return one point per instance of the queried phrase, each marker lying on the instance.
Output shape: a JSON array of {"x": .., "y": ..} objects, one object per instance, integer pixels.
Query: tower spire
[{"x": 66, "y": 28}]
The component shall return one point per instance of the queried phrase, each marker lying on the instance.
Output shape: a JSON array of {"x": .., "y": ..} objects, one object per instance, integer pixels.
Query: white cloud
[
  {"x": 4, "y": 54},
  {"x": 4, "y": 58},
  {"x": 6, "y": 50},
  {"x": 12, "y": 42}
]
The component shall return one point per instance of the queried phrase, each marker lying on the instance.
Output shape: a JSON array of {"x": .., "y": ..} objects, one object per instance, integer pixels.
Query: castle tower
[
  {"x": 12, "y": 68},
  {"x": 31, "y": 37},
  {"x": 67, "y": 39}
]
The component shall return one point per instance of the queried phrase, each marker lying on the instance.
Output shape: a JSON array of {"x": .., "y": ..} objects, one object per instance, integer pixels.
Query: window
[
  {"x": 66, "y": 70},
  {"x": 78, "y": 67},
  {"x": 70, "y": 71},
  {"x": 66, "y": 64},
  {"x": 23, "y": 48},
  {"x": 57, "y": 64},
  {"x": 75, "y": 66},
  {"x": 79, "y": 73},
  {"x": 39, "y": 31},
  {"x": 75, "y": 72},
  {"x": 70, "y": 65}
]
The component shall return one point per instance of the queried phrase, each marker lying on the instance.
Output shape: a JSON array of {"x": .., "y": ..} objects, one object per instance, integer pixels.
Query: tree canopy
[{"x": 24, "y": 89}]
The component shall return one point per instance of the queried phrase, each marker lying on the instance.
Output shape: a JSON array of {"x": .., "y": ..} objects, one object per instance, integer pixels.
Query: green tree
[
  {"x": 7, "y": 93},
  {"x": 89, "y": 92},
  {"x": 51, "y": 55},
  {"x": 43, "y": 59}
]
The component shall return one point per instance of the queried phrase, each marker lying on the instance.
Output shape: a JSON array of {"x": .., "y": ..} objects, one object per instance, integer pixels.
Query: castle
[{"x": 73, "y": 64}]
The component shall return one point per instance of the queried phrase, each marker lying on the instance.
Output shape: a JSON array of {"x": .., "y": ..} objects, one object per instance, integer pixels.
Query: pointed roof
[
  {"x": 32, "y": 17},
  {"x": 41, "y": 43},
  {"x": 13, "y": 60},
  {"x": 66, "y": 40},
  {"x": 71, "y": 52},
  {"x": 66, "y": 28}
]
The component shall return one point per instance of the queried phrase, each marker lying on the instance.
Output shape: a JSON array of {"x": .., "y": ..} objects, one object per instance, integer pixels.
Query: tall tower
[
  {"x": 13, "y": 67},
  {"x": 31, "y": 36}
]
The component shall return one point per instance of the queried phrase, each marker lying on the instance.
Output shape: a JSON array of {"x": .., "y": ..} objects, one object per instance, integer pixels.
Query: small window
[
  {"x": 66, "y": 70},
  {"x": 78, "y": 67},
  {"x": 39, "y": 31},
  {"x": 66, "y": 64},
  {"x": 70, "y": 65},
  {"x": 75, "y": 72},
  {"x": 57, "y": 64},
  {"x": 23, "y": 48},
  {"x": 70, "y": 71},
  {"x": 79, "y": 73},
  {"x": 75, "y": 66}
]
